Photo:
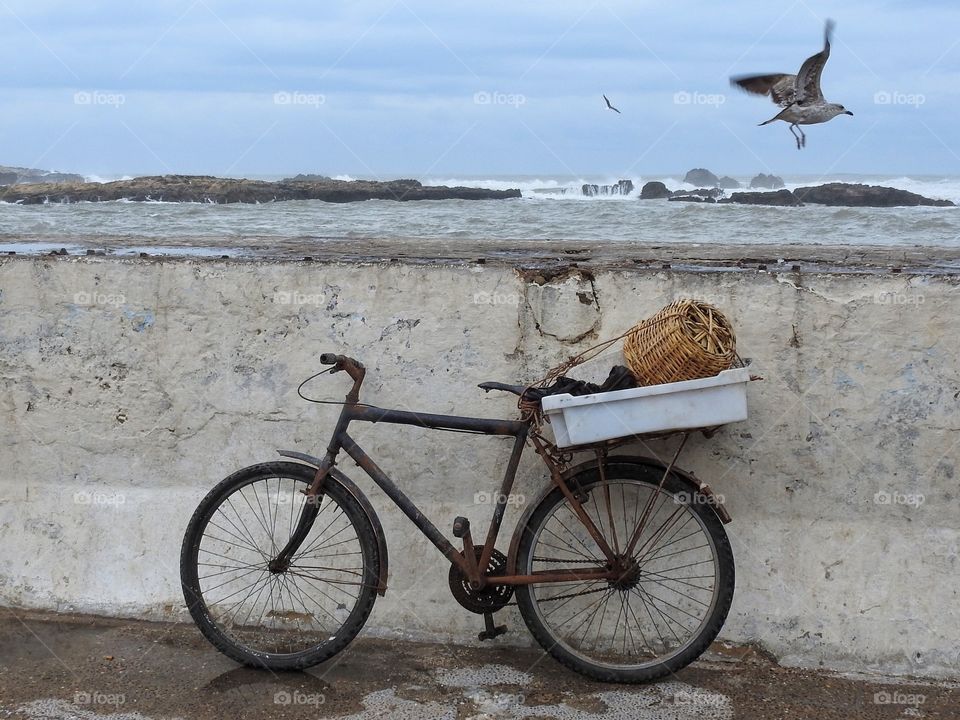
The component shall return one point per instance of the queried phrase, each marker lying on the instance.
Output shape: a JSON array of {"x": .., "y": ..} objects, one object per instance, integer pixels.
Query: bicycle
[{"x": 621, "y": 568}]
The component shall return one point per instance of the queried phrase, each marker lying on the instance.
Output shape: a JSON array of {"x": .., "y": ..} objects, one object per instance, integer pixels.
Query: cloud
[{"x": 399, "y": 78}]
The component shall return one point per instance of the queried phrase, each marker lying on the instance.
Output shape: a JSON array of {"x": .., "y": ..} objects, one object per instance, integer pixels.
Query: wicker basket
[{"x": 684, "y": 341}]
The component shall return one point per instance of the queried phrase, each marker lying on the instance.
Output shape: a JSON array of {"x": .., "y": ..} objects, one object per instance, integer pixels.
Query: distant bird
[
  {"x": 799, "y": 95},
  {"x": 611, "y": 106}
]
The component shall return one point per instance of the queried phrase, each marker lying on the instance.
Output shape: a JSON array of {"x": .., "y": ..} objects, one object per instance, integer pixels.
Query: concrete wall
[{"x": 129, "y": 387}]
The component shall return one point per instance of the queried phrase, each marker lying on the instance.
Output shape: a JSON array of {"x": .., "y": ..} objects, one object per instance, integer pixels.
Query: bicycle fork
[{"x": 308, "y": 515}]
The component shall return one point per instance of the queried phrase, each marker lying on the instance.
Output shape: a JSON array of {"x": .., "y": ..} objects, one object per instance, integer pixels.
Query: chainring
[{"x": 488, "y": 599}]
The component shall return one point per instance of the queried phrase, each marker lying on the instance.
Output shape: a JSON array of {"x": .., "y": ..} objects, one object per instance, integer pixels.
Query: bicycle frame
[{"x": 471, "y": 566}]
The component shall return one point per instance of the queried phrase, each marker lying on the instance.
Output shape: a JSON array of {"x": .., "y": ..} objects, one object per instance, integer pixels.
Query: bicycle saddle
[{"x": 515, "y": 389}]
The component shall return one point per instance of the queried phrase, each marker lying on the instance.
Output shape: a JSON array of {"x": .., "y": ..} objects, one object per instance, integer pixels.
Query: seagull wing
[
  {"x": 808, "y": 79},
  {"x": 607, "y": 100},
  {"x": 781, "y": 87}
]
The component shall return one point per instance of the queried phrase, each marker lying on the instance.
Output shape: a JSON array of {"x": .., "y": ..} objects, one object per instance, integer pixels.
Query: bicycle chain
[
  {"x": 569, "y": 595},
  {"x": 592, "y": 562}
]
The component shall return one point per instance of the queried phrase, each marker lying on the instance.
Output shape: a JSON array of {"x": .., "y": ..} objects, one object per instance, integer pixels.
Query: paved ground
[{"x": 60, "y": 667}]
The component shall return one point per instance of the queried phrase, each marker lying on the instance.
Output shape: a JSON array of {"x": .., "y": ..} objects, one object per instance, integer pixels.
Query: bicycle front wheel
[
  {"x": 279, "y": 619},
  {"x": 663, "y": 612}
]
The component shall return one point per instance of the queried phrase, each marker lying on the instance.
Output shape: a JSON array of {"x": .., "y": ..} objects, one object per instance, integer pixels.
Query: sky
[{"x": 446, "y": 89}]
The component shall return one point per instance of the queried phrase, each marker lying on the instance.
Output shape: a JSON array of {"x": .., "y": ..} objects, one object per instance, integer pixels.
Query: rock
[
  {"x": 654, "y": 190},
  {"x": 856, "y": 195},
  {"x": 767, "y": 181},
  {"x": 309, "y": 177},
  {"x": 698, "y": 195},
  {"x": 623, "y": 187},
  {"x": 32, "y": 175},
  {"x": 692, "y": 198},
  {"x": 201, "y": 188},
  {"x": 778, "y": 197},
  {"x": 728, "y": 183},
  {"x": 700, "y": 177},
  {"x": 702, "y": 192}
]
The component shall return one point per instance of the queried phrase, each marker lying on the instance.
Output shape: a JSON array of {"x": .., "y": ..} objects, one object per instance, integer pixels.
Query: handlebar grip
[{"x": 329, "y": 358}]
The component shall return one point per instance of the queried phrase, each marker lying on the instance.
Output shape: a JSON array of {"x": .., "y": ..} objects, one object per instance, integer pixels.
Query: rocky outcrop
[
  {"x": 770, "y": 182},
  {"x": 654, "y": 190},
  {"x": 702, "y": 192},
  {"x": 309, "y": 177},
  {"x": 855, "y": 195},
  {"x": 692, "y": 198},
  {"x": 778, "y": 197},
  {"x": 206, "y": 189},
  {"x": 622, "y": 187},
  {"x": 839, "y": 195},
  {"x": 728, "y": 183},
  {"x": 701, "y": 177},
  {"x": 15, "y": 175}
]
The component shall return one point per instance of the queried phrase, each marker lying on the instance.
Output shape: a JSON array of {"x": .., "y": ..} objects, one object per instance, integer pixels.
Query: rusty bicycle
[{"x": 621, "y": 567}]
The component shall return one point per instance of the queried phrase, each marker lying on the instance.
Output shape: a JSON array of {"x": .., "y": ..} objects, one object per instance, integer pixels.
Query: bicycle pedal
[{"x": 492, "y": 631}]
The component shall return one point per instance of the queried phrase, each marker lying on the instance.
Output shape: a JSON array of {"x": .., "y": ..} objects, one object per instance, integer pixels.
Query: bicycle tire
[
  {"x": 205, "y": 619},
  {"x": 549, "y": 638}
]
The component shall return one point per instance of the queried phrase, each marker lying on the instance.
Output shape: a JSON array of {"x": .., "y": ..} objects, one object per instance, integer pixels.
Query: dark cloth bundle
[{"x": 620, "y": 378}]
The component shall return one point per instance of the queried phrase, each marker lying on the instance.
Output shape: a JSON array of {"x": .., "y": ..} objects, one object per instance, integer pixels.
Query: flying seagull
[
  {"x": 799, "y": 95},
  {"x": 611, "y": 106}
]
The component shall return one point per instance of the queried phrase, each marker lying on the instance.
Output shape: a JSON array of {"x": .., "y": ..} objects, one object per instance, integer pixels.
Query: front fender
[
  {"x": 364, "y": 503},
  {"x": 696, "y": 485}
]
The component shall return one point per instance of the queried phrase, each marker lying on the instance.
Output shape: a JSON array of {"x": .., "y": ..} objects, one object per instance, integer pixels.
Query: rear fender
[
  {"x": 364, "y": 503},
  {"x": 695, "y": 484}
]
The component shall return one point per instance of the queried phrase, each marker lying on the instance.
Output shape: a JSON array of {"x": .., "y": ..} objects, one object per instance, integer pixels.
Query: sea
[{"x": 551, "y": 207}]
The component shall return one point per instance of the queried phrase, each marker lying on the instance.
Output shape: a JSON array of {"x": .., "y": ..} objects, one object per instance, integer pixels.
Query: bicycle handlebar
[{"x": 353, "y": 368}]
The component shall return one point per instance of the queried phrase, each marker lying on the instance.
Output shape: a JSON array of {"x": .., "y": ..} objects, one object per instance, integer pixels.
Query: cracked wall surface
[{"x": 129, "y": 388}]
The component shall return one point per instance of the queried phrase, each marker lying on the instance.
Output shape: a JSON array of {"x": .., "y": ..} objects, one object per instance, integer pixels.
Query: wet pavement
[{"x": 60, "y": 667}]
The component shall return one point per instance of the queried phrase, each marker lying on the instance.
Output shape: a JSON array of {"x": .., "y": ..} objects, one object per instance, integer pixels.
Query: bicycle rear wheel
[
  {"x": 656, "y": 618},
  {"x": 288, "y": 619}
]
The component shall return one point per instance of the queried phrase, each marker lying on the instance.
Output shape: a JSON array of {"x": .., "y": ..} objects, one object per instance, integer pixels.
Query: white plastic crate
[{"x": 687, "y": 405}]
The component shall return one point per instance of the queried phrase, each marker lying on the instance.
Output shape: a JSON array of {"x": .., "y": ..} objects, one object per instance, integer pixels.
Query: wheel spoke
[
  {"x": 661, "y": 597},
  {"x": 284, "y": 611}
]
